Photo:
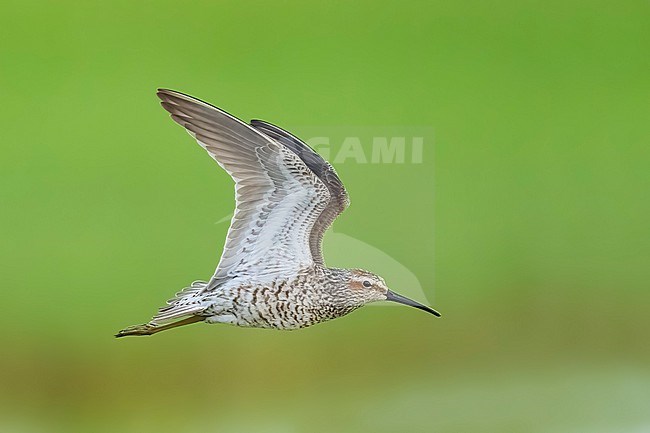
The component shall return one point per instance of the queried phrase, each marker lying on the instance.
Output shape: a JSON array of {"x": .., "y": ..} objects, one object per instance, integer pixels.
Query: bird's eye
[{"x": 367, "y": 284}]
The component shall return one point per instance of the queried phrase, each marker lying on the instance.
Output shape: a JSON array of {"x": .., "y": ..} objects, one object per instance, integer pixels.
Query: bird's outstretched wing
[
  {"x": 279, "y": 199},
  {"x": 338, "y": 199}
]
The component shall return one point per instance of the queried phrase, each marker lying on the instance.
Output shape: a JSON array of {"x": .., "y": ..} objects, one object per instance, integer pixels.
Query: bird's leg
[{"x": 152, "y": 328}]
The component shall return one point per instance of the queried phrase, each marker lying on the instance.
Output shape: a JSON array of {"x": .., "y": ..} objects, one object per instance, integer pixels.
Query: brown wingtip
[
  {"x": 162, "y": 90},
  {"x": 165, "y": 94}
]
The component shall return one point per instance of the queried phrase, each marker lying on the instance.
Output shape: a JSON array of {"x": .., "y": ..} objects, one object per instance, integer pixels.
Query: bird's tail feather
[{"x": 184, "y": 303}]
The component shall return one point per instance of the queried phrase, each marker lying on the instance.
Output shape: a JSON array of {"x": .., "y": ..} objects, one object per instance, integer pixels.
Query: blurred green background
[{"x": 534, "y": 197}]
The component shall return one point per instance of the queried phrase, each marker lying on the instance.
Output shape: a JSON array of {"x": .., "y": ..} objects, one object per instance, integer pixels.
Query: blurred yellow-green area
[{"x": 526, "y": 223}]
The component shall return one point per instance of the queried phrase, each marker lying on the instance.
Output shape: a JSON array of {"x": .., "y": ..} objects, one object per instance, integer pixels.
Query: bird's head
[{"x": 367, "y": 287}]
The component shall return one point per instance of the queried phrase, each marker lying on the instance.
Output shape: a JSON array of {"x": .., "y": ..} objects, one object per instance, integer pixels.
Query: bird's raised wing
[
  {"x": 338, "y": 197},
  {"x": 278, "y": 197}
]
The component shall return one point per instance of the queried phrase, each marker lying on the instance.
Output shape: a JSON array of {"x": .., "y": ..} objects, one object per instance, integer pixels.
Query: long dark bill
[{"x": 392, "y": 296}]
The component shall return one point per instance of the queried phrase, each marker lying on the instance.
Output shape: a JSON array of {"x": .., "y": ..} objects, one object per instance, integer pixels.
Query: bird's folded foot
[
  {"x": 144, "y": 329},
  {"x": 153, "y": 327}
]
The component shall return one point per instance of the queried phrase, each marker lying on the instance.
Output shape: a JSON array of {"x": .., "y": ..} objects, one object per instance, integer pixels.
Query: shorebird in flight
[{"x": 271, "y": 273}]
